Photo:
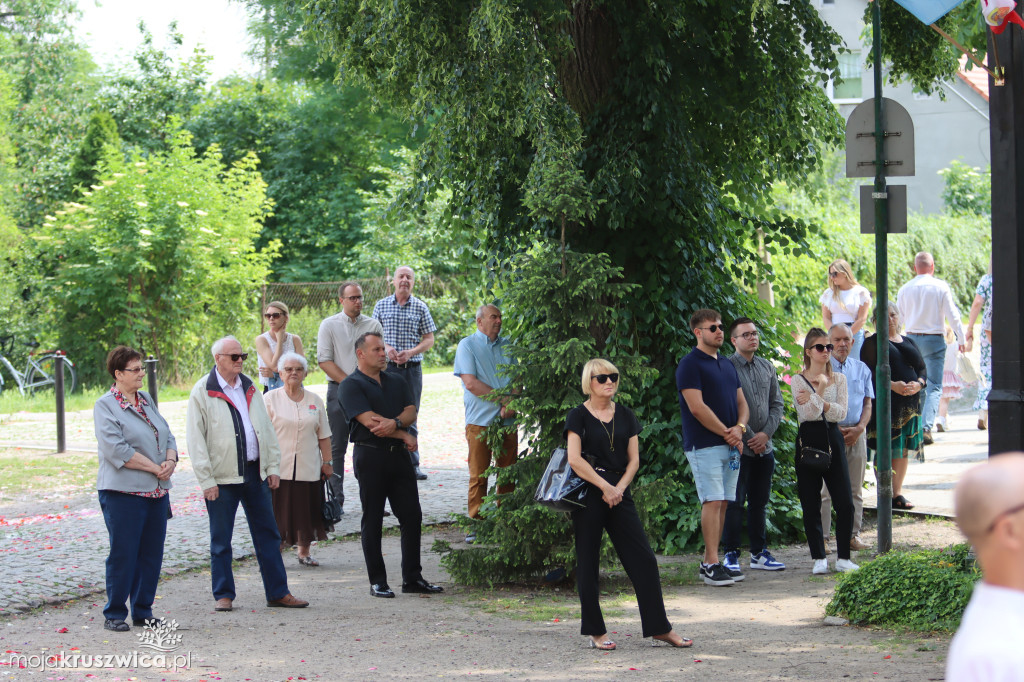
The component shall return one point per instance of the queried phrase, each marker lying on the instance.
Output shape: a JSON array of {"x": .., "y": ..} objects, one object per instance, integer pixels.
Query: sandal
[
  {"x": 684, "y": 642},
  {"x": 607, "y": 645},
  {"x": 900, "y": 502},
  {"x": 308, "y": 561}
]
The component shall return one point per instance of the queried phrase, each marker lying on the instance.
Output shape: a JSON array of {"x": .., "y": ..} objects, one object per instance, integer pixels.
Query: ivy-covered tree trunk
[{"x": 654, "y": 130}]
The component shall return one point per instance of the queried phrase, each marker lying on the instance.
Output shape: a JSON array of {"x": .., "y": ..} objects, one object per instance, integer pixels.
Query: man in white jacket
[{"x": 236, "y": 458}]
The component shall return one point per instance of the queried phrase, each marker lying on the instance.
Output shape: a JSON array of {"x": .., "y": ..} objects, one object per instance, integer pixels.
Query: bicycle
[{"x": 40, "y": 369}]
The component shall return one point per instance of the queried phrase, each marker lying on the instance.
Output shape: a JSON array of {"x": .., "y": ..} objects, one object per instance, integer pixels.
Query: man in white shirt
[
  {"x": 990, "y": 512},
  {"x": 925, "y": 304},
  {"x": 336, "y": 355}
]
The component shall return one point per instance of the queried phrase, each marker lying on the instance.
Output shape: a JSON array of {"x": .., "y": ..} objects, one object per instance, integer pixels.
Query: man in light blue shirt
[
  {"x": 478, "y": 362},
  {"x": 860, "y": 390}
]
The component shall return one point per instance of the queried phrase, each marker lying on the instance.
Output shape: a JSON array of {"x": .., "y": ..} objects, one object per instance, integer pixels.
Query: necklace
[{"x": 610, "y": 434}]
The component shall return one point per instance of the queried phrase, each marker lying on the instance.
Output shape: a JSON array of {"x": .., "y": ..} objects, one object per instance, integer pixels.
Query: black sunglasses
[
  {"x": 714, "y": 328},
  {"x": 821, "y": 349},
  {"x": 602, "y": 378},
  {"x": 235, "y": 357},
  {"x": 271, "y": 316}
]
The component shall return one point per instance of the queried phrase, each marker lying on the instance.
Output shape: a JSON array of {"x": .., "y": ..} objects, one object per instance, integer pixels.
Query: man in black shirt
[{"x": 381, "y": 407}]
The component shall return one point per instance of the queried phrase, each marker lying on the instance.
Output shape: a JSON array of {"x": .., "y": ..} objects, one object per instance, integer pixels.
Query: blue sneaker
[
  {"x": 732, "y": 561},
  {"x": 765, "y": 561}
]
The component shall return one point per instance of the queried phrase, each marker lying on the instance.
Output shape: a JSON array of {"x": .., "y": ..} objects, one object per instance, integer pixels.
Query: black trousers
[
  {"x": 388, "y": 475},
  {"x": 338, "y": 421},
  {"x": 635, "y": 553},
  {"x": 837, "y": 479}
]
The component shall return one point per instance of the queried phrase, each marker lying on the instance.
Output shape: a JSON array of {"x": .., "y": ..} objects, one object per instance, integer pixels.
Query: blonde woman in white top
[
  {"x": 274, "y": 343},
  {"x": 819, "y": 395},
  {"x": 845, "y": 302}
]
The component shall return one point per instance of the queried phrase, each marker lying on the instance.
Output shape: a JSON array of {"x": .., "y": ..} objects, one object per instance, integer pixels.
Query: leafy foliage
[
  {"x": 925, "y": 590},
  {"x": 913, "y": 51},
  {"x": 968, "y": 190},
  {"x": 650, "y": 133},
  {"x": 161, "y": 257},
  {"x": 99, "y": 134}
]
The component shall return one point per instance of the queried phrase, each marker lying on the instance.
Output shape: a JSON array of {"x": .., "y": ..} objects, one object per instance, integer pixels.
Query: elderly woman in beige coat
[{"x": 304, "y": 435}]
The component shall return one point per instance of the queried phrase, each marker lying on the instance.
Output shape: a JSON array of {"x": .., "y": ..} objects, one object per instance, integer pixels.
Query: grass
[
  {"x": 12, "y": 401},
  {"x": 24, "y": 473}
]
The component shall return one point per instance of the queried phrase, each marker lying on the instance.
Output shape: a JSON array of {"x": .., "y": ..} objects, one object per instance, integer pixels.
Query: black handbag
[
  {"x": 811, "y": 458},
  {"x": 331, "y": 509},
  {"x": 560, "y": 488}
]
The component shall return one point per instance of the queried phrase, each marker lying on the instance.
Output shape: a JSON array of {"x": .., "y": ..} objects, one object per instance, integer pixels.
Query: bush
[{"x": 925, "y": 590}]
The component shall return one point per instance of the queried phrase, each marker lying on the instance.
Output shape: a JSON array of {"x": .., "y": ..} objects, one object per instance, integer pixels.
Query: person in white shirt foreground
[{"x": 989, "y": 508}]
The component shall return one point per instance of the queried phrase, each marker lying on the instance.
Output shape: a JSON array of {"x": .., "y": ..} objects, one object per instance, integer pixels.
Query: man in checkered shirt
[{"x": 408, "y": 334}]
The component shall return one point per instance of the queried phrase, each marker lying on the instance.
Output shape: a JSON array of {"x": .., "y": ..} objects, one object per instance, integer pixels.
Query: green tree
[
  {"x": 666, "y": 124},
  {"x": 162, "y": 257},
  {"x": 99, "y": 134}
]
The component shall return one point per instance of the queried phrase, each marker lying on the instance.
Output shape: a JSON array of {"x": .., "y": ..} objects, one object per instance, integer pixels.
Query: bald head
[
  {"x": 924, "y": 264},
  {"x": 988, "y": 491}
]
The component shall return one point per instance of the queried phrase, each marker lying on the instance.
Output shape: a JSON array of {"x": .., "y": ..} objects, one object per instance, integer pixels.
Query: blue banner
[{"x": 929, "y": 11}]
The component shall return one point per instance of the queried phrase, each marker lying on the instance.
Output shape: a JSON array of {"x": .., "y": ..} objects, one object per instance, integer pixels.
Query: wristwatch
[
  {"x": 743, "y": 427},
  {"x": 398, "y": 423}
]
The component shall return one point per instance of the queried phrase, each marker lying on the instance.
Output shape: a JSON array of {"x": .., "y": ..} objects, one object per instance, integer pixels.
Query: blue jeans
[
  {"x": 933, "y": 349},
  {"x": 754, "y": 486},
  {"x": 412, "y": 372},
  {"x": 858, "y": 343},
  {"x": 136, "y": 527},
  {"x": 715, "y": 470},
  {"x": 254, "y": 494},
  {"x": 274, "y": 381}
]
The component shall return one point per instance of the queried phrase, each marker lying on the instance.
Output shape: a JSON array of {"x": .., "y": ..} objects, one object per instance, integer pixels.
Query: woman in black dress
[
  {"x": 909, "y": 377},
  {"x": 609, "y": 435}
]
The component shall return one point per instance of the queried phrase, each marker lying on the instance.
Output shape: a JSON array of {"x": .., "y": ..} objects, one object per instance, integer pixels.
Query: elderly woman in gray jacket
[{"x": 137, "y": 456}]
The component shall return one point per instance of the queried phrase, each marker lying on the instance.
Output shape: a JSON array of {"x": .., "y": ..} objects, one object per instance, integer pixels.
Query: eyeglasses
[
  {"x": 749, "y": 335},
  {"x": 833, "y": 273},
  {"x": 134, "y": 370},
  {"x": 289, "y": 370},
  {"x": 353, "y": 298},
  {"x": 828, "y": 347},
  {"x": 272, "y": 316},
  {"x": 235, "y": 357},
  {"x": 714, "y": 328},
  {"x": 1008, "y": 512},
  {"x": 602, "y": 378}
]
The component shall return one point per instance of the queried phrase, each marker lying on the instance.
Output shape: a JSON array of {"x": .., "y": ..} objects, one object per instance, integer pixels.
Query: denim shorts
[{"x": 715, "y": 471}]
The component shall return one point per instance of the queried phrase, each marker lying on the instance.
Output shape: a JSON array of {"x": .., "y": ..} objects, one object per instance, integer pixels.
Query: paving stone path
[{"x": 58, "y": 554}]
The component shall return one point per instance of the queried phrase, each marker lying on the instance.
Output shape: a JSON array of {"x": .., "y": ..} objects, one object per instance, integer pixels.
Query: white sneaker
[
  {"x": 820, "y": 567},
  {"x": 845, "y": 565}
]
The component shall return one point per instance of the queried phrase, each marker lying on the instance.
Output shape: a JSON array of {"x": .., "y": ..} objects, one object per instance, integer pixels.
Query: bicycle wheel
[{"x": 40, "y": 375}]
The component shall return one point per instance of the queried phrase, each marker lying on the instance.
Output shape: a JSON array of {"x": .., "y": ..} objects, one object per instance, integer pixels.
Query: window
[{"x": 851, "y": 70}]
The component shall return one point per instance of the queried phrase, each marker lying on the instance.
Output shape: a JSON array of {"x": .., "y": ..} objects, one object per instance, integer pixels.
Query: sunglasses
[
  {"x": 235, "y": 357},
  {"x": 272, "y": 316},
  {"x": 714, "y": 328},
  {"x": 1008, "y": 512},
  {"x": 134, "y": 370},
  {"x": 833, "y": 273},
  {"x": 821, "y": 349},
  {"x": 602, "y": 378}
]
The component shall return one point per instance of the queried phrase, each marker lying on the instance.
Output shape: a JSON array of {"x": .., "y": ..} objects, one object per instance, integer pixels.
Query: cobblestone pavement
[{"x": 55, "y": 549}]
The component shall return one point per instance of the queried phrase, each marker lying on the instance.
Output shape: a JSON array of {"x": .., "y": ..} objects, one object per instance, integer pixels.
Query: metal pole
[
  {"x": 151, "y": 378},
  {"x": 58, "y": 389},
  {"x": 883, "y": 418}
]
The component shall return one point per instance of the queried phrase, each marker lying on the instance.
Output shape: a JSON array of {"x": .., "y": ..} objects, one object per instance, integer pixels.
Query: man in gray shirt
[
  {"x": 336, "y": 355},
  {"x": 757, "y": 465}
]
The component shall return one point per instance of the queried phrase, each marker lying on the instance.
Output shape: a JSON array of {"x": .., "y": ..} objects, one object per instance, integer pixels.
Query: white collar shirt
[
  {"x": 987, "y": 648},
  {"x": 237, "y": 395},
  {"x": 925, "y": 302}
]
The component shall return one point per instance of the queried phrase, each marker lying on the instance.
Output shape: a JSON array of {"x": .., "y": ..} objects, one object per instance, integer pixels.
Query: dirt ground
[{"x": 769, "y": 627}]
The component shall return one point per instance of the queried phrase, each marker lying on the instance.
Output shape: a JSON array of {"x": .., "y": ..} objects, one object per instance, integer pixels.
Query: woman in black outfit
[
  {"x": 909, "y": 376},
  {"x": 609, "y": 435}
]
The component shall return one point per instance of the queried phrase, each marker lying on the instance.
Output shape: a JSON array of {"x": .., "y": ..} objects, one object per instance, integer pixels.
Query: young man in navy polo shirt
[{"x": 714, "y": 421}]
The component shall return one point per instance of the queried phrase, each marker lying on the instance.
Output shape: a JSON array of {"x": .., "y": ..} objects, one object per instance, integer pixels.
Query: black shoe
[
  {"x": 116, "y": 625},
  {"x": 927, "y": 439},
  {"x": 420, "y": 586},
  {"x": 151, "y": 621},
  {"x": 420, "y": 476},
  {"x": 382, "y": 590}
]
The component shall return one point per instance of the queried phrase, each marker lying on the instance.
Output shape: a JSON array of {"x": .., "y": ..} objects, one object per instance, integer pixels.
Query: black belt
[
  {"x": 386, "y": 448},
  {"x": 608, "y": 471},
  {"x": 924, "y": 334},
  {"x": 403, "y": 365}
]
